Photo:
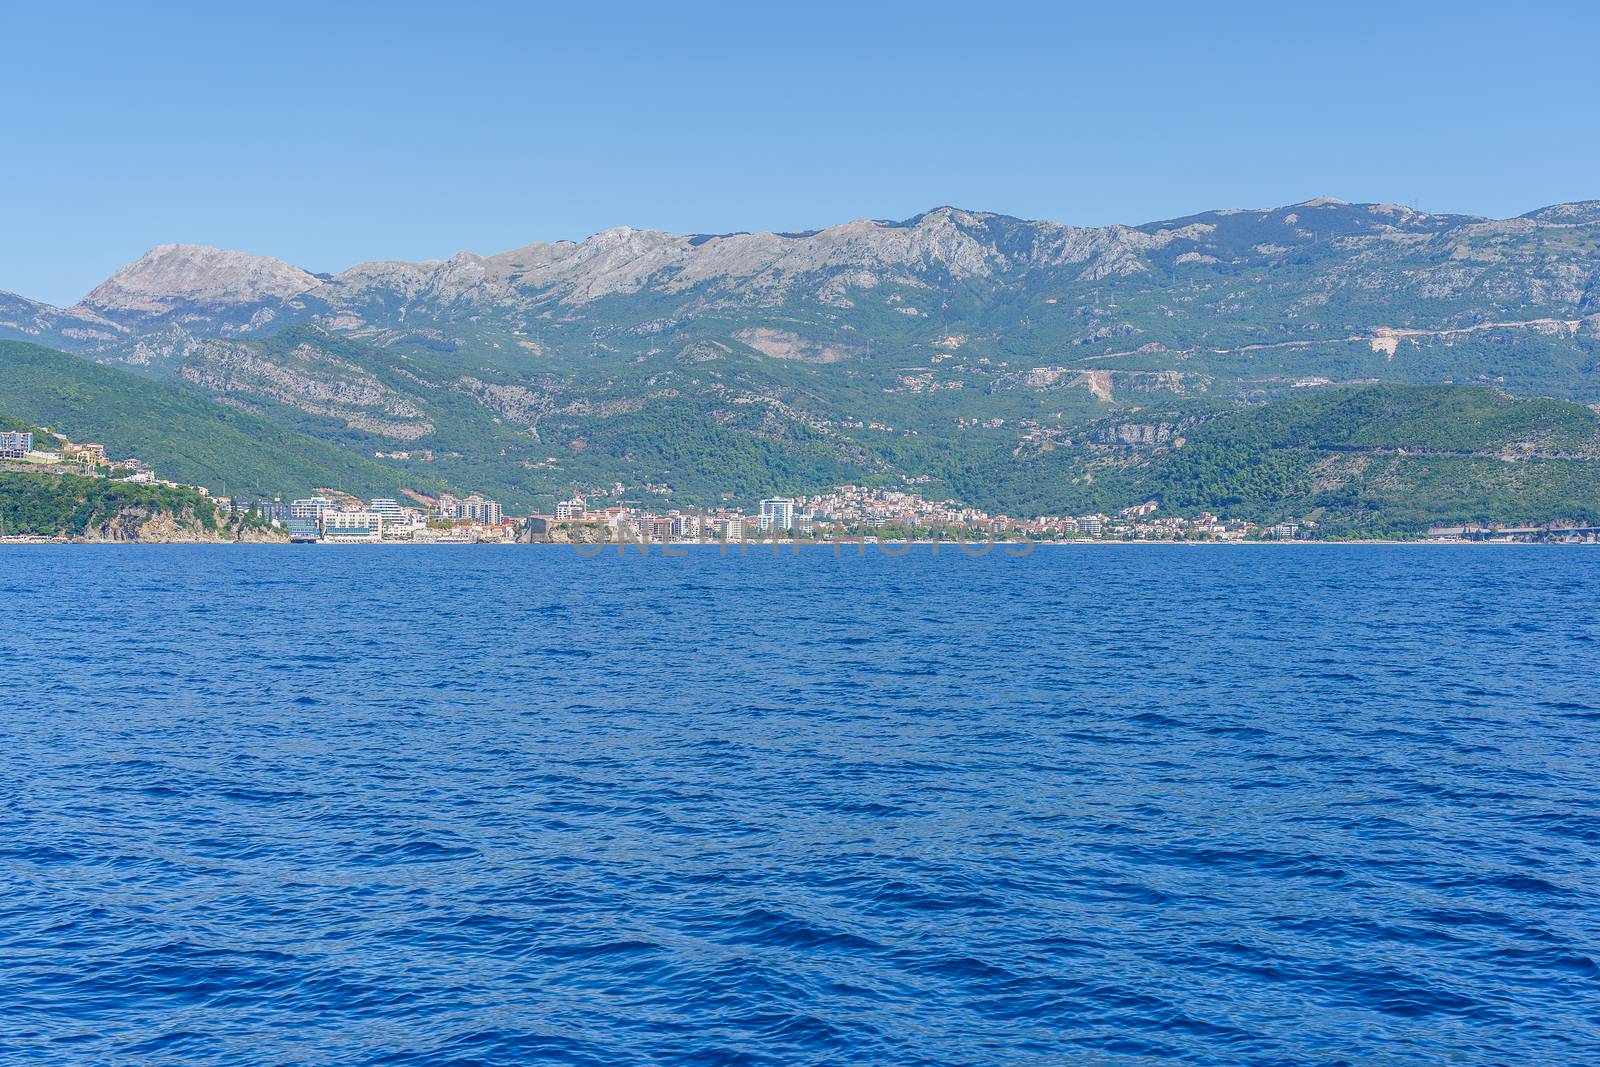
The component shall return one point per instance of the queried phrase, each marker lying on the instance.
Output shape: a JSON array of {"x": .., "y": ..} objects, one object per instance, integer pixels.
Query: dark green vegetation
[
  {"x": 1018, "y": 366},
  {"x": 57, "y": 505},
  {"x": 187, "y": 436},
  {"x": 1388, "y": 459},
  {"x": 1366, "y": 460}
]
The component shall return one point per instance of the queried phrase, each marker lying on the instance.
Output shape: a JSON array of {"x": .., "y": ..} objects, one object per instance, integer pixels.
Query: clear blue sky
[{"x": 328, "y": 134}]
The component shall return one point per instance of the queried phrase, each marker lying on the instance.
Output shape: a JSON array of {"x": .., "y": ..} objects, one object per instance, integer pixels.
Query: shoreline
[{"x": 772, "y": 547}]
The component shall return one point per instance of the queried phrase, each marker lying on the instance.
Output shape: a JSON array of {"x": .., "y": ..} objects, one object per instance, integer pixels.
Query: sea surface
[{"x": 1098, "y": 805}]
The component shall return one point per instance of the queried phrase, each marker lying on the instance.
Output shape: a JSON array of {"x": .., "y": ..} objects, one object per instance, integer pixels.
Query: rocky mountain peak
[
  {"x": 627, "y": 240},
  {"x": 210, "y": 291},
  {"x": 1578, "y": 213},
  {"x": 170, "y": 275},
  {"x": 949, "y": 215}
]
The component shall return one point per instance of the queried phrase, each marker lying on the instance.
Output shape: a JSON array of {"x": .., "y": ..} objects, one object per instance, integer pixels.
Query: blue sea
[{"x": 1097, "y": 805}]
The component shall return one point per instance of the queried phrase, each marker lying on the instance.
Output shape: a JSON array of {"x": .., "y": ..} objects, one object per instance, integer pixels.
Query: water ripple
[{"x": 1108, "y": 805}]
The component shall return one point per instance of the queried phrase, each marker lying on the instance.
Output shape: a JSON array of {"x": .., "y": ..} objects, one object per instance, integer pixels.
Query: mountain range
[{"x": 1016, "y": 364}]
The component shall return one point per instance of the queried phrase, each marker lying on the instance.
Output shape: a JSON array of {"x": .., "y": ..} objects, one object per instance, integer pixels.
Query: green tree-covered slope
[
  {"x": 1380, "y": 458},
  {"x": 187, "y": 436},
  {"x": 65, "y": 505},
  {"x": 42, "y": 439},
  {"x": 1388, "y": 459}
]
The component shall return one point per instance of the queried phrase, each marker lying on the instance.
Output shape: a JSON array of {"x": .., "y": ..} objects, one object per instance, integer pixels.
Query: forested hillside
[
  {"x": 99, "y": 509},
  {"x": 185, "y": 434},
  {"x": 1389, "y": 458}
]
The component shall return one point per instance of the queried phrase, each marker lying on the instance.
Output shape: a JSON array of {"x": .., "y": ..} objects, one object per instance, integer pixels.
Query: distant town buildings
[
  {"x": 475, "y": 508},
  {"x": 845, "y": 512},
  {"x": 854, "y": 512},
  {"x": 449, "y": 519},
  {"x": 274, "y": 512}
]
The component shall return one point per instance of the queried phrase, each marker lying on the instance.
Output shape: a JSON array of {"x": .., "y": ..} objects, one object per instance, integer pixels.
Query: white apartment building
[
  {"x": 390, "y": 510},
  {"x": 352, "y": 526},
  {"x": 777, "y": 513},
  {"x": 311, "y": 507},
  {"x": 481, "y": 509}
]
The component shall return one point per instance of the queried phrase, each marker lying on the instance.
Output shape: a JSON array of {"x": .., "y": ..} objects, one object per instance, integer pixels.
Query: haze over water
[{"x": 1110, "y": 804}]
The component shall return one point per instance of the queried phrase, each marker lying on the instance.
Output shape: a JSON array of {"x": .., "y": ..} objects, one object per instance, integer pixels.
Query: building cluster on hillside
[
  {"x": 87, "y": 458},
  {"x": 864, "y": 511},
  {"x": 843, "y": 512},
  {"x": 333, "y": 518}
]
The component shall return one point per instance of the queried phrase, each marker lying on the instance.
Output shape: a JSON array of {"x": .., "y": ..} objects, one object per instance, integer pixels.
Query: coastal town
[
  {"x": 844, "y": 512},
  {"x": 858, "y": 513}
]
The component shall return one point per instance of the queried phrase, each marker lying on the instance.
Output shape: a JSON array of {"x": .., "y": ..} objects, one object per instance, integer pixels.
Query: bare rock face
[
  {"x": 811, "y": 296},
  {"x": 23, "y": 316},
  {"x": 170, "y": 276},
  {"x": 781, "y": 344},
  {"x": 1135, "y": 434},
  {"x": 308, "y": 380},
  {"x": 242, "y": 293},
  {"x": 1574, "y": 214},
  {"x": 750, "y": 268}
]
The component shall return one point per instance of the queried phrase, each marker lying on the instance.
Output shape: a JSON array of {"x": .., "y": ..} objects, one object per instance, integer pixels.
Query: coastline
[{"x": 773, "y": 547}]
